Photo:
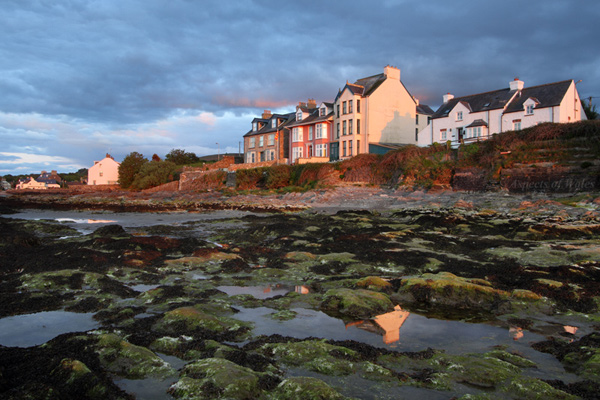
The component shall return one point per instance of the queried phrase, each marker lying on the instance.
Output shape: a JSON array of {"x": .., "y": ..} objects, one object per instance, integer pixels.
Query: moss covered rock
[
  {"x": 125, "y": 359},
  {"x": 304, "y": 388},
  {"x": 213, "y": 378},
  {"x": 356, "y": 304},
  {"x": 190, "y": 320}
]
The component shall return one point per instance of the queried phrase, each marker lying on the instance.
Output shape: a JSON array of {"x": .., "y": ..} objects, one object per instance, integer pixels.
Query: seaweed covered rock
[
  {"x": 356, "y": 304},
  {"x": 447, "y": 289},
  {"x": 193, "y": 320},
  {"x": 213, "y": 378},
  {"x": 125, "y": 359},
  {"x": 306, "y": 388}
]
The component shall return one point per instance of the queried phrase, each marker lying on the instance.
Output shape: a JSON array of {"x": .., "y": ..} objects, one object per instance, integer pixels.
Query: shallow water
[
  {"x": 88, "y": 221},
  {"x": 408, "y": 333},
  {"x": 35, "y": 329}
]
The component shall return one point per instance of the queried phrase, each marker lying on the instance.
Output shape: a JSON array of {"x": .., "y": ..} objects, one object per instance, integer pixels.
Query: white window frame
[
  {"x": 529, "y": 109},
  {"x": 272, "y": 139},
  {"x": 299, "y": 116},
  {"x": 261, "y": 141},
  {"x": 459, "y": 115},
  {"x": 310, "y": 132},
  {"x": 443, "y": 134},
  {"x": 297, "y": 134},
  {"x": 252, "y": 143}
]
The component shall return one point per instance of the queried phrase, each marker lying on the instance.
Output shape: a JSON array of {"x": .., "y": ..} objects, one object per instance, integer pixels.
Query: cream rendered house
[
  {"x": 104, "y": 172},
  {"x": 372, "y": 112},
  {"x": 477, "y": 117}
]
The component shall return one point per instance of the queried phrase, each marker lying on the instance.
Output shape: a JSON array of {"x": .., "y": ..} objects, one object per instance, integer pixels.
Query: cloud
[{"x": 79, "y": 79}]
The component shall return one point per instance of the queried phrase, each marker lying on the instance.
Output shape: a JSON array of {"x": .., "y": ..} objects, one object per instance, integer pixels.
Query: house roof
[
  {"x": 477, "y": 122},
  {"x": 313, "y": 118},
  {"x": 290, "y": 117},
  {"x": 424, "y": 109},
  {"x": 548, "y": 95}
]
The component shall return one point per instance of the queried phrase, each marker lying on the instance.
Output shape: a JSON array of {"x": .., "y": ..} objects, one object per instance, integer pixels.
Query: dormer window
[
  {"x": 322, "y": 112},
  {"x": 459, "y": 115},
  {"x": 299, "y": 116},
  {"x": 529, "y": 109},
  {"x": 273, "y": 123},
  {"x": 254, "y": 127}
]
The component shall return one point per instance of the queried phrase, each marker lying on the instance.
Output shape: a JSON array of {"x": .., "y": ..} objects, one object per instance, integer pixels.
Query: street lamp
[{"x": 218, "y": 151}]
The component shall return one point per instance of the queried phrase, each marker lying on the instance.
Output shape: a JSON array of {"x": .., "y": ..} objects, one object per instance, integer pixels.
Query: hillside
[{"x": 547, "y": 158}]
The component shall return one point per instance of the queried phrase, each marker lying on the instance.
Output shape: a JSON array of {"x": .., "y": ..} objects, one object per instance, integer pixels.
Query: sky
[{"x": 82, "y": 78}]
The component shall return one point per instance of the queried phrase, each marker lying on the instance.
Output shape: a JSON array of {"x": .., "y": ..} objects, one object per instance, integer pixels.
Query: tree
[
  {"x": 130, "y": 166},
  {"x": 590, "y": 110},
  {"x": 181, "y": 157},
  {"x": 154, "y": 174},
  {"x": 155, "y": 157}
]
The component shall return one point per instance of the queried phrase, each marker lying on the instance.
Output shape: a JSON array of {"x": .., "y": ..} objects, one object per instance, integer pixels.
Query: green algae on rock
[
  {"x": 304, "y": 388},
  {"x": 190, "y": 320},
  {"x": 125, "y": 359},
  {"x": 217, "y": 378},
  {"x": 358, "y": 303}
]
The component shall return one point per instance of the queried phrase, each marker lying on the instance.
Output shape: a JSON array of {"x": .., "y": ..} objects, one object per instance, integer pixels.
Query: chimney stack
[
  {"x": 516, "y": 84},
  {"x": 312, "y": 104},
  {"x": 391, "y": 72},
  {"x": 267, "y": 114},
  {"x": 447, "y": 97}
]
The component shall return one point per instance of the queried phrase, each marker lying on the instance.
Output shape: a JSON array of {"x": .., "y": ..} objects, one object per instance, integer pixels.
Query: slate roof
[
  {"x": 290, "y": 117},
  {"x": 424, "y": 109},
  {"x": 548, "y": 95},
  {"x": 313, "y": 118}
]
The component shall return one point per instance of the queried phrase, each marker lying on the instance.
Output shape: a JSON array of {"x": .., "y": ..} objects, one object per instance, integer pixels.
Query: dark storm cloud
[{"x": 81, "y": 77}]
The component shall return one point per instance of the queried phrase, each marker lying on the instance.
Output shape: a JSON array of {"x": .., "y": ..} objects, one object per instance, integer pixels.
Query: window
[
  {"x": 344, "y": 109},
  {"x": 417, "y": 119},
  {"x": 350, "y": 106},
  {"x": 321, "y": 150},
  {"x": 344, "y": 128},
  {"x": 350, "y": 127},
  {"x": 296, "y": 153},
  {"x": 322, "y": 112},
  {"x": 101, "y": 173},
  {"x": 310, "y": 132},
  {"x": 337, "y": 133},
  {"x": 343, "y": 149},
  {"x": 321, "y": 131},
  {"x": 338, "y": 110},
  {"x": 443, "y": 134},
  {"x": 274, "y": 123},
  {"x": 357, "y": 105},
  {"x": 261, "y": 141},
  {"x": 358, "y": 147},
  {"x": 529, "y": 109},
  {"x": 516, "y": 125},
  {"x": 252, "y": 142},
  {"x": 416, "y": 134},
  {"x": 459, "y": 115},
  {"x": 349, "y": 147},
  {"x": 299, "y": 116},
  {"x": 254, "y": 127},
  {"x": 272, "y": 139},
  {"x": 358, "y": 126},
  {"x": 296, "y": 134}
]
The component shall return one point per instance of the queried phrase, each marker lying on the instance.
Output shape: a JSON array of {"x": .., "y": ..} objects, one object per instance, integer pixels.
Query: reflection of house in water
[
  {"x": 301, "y": 289},
  {"x": 388, "y": 324}
]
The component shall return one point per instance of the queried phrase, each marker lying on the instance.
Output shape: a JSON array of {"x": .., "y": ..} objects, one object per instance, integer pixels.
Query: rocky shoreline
[{"x": 216, "y": 309}]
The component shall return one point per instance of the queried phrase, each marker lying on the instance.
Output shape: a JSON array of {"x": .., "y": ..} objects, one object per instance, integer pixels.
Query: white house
[
  {"x": 104, "y": 172},
  {"x": 477, "y": 117}
]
